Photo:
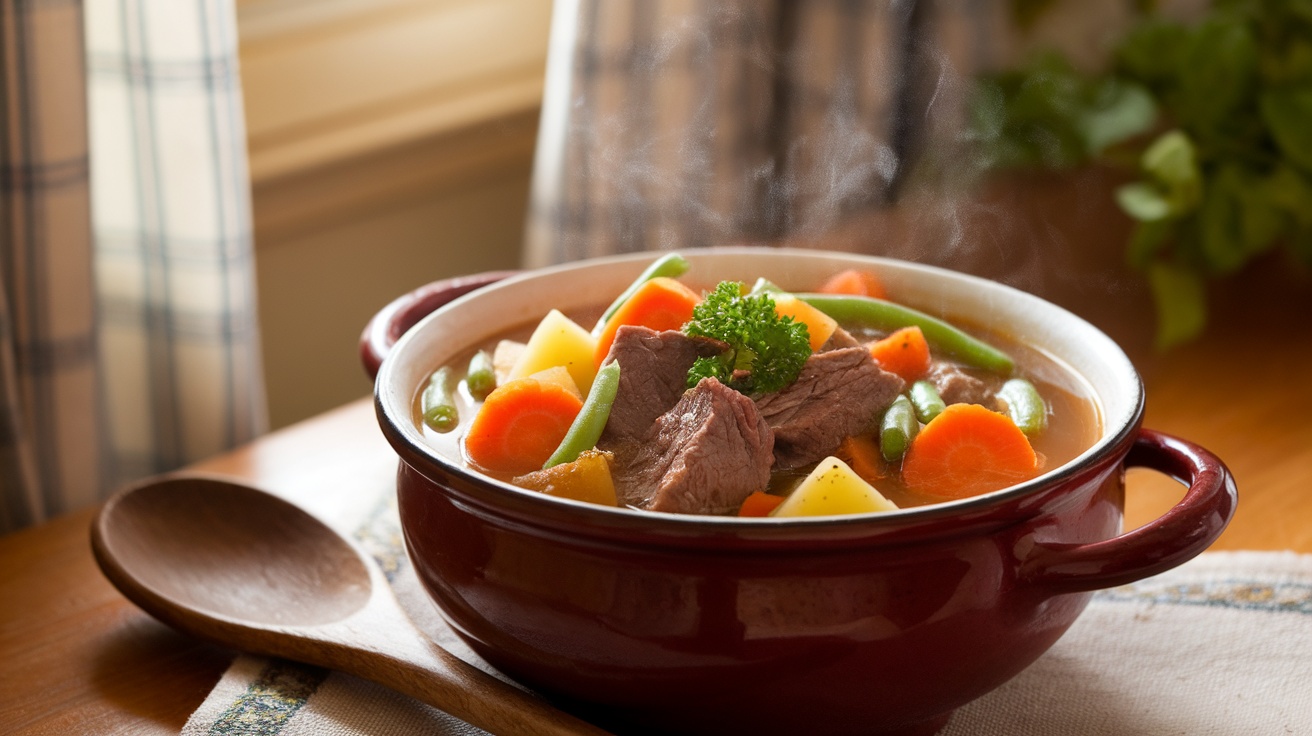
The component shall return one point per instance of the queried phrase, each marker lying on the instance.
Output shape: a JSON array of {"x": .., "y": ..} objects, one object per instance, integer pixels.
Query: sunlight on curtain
[
  {"x": 171, "y": 213},
  {"x": 144, "y": 356},
  {"x": 50, "y": 434}
]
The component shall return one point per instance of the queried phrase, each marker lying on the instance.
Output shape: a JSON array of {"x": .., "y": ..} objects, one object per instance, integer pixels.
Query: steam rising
[{"x": 834, "y": 124}]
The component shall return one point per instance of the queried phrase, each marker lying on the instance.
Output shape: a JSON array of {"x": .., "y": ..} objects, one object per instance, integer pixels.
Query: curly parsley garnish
[{"x": 766, "y": 351}]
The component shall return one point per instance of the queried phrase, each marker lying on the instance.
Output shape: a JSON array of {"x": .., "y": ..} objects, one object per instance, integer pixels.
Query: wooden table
[{"x": 76, "y": 657}]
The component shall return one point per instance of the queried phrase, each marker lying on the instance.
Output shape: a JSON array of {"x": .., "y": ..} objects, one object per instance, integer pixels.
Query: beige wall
[
  {"x": 318, "y": 290},
  {"x": 391, "y": 144}
]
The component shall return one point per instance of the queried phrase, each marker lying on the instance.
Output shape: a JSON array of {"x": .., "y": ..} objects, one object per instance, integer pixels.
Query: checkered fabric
[
  {"x": 130, "y": 343},
  {"x": 687, "y": 123},
  {"x": 50, "y": 438}
]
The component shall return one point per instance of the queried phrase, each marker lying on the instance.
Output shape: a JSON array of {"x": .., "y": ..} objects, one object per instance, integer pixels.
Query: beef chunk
[
  {"x": 704, "y": 456},
  {"x": 956, "y": 386},
  {"x": 839, "y": 393},
  {"x": 653, "y": 375}
]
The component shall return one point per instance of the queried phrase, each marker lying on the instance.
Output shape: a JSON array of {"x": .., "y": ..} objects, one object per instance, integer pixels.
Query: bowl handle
[
  {"x": 1181, "y": 533},
  {"x": 392, "y": 321}
]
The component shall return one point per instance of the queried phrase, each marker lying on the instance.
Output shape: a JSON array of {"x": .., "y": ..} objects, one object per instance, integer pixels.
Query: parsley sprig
[{"x": 766, "y": 351}]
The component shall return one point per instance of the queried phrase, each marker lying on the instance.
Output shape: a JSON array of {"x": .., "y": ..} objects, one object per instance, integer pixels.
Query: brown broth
[{"x": 1074, "y": 419}]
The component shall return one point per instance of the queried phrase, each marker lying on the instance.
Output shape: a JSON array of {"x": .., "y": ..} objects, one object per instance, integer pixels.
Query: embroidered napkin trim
[
  {"x": 276, "y": 695},
  {"x": 1238, "y": 593}
]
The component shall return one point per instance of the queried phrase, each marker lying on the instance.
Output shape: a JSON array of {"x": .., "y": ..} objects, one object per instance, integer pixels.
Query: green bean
[
  {"x": 438, "y": 402},
  {"x": 925, "y": 398},
  {"x": 886, "y": 315},
  {"x": 1025, "y": 406},
  {"x": 670, "y": 265},
  {"x": 765, "y": 286},
  {"x": 481, "y": 377},
  {"x": 586, "y": 429},
  {"x": 897, "y": 429}
]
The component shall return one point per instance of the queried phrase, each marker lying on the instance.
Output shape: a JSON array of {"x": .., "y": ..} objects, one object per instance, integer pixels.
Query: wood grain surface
[
  {"x": 76, "y": 657},
  {"x": 1244, "y": 392}
]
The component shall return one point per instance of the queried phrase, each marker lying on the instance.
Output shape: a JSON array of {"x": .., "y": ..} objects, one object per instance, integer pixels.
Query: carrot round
[
  {"x": 520, "y": 424},
  {"x": 660, "y": 303},
  {"x": 759, "y": 503},
  {"x": 965, "y": 451},
  {"x": 904, "y": 352},
  {"x": 854, "y": 282}
]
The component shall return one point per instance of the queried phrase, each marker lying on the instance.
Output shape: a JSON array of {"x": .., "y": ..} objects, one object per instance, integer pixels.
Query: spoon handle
[
  {"x": 441, "y": 679},
  {"x": 410, "y": 663},
  {"x": 245, "y": 569},
  {"x": 381, "y": 644}
]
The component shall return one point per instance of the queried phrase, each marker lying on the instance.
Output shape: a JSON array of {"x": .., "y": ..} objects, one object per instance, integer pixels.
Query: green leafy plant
[
  {"x": 766, "y": 352},
  {"x": 1214, "y": 118}
]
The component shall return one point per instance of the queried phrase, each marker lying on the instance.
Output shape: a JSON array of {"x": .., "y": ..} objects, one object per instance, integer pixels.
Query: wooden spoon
[{"x": 237, "y": 566}]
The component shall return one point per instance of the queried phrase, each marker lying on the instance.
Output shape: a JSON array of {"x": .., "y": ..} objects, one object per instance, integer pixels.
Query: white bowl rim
[{"x": 394, "y": 404}]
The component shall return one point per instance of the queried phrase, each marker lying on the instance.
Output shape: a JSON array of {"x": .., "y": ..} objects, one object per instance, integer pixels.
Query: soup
[{"x": 877, "y": 415}]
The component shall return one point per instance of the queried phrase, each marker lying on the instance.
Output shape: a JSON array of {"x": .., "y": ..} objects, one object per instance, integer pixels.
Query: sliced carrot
[
  {"x": 861, "y": 453},
  {"x": 967, "y": 450},
  {"x": 520, "y": 424},
  {"x": 855, "y": 282},
  {"x": 661, "y": 304},
  {"x": 904, "y": 352},
  {"x": 760, "y": 503}
]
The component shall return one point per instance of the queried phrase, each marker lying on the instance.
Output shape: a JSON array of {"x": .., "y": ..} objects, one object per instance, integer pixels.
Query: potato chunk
[
  {"x": 504, "y": 358},
  {"x": 586, "y": 479},
  {"x": 560, "y": 376},
  {"x": 558, "y": 341},
  {"x": 833, "y": 488}
]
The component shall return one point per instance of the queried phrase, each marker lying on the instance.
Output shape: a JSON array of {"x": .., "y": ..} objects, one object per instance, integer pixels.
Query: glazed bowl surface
[{"x": 872, "y": 623}]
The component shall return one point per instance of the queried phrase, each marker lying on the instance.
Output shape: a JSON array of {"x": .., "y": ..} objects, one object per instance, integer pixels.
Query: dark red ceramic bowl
[{"x": 880, "y": 623}]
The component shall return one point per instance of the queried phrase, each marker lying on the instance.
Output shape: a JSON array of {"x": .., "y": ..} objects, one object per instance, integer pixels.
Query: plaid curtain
[
  {"x": 686, "y": 123},
  {"x": 51, "y": 441},
  {"x": 129, "y": 342}
]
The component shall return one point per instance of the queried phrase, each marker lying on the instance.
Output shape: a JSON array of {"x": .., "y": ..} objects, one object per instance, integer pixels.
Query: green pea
[
  {"x": 897, "y": 429},
  {"x": 591, "y": 420},
  {"x": 927, "y": 402},
  {"x": 437, "y": 403},
  {"x": 1025, "y": 406},
  {"x": 884, "y": 315}
]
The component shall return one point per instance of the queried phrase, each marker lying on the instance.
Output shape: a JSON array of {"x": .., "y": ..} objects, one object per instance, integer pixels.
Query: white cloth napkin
[{"x": 1221, "y": 645}]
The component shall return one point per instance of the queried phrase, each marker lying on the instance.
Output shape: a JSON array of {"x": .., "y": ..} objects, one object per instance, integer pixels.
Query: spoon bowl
[{"x": 243, "y": 568}]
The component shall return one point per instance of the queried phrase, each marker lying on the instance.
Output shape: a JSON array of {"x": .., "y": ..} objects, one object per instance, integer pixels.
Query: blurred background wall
[{"x": 391, "y": 143}]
